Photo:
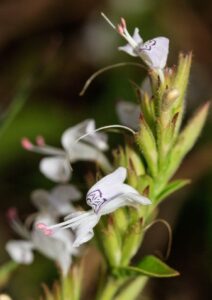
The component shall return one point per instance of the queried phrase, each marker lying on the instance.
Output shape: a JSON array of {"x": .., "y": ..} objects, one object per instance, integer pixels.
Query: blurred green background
[{"x": 50, "y": 48}]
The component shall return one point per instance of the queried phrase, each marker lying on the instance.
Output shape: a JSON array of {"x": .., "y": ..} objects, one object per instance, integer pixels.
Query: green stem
[
  {"x": 110, "y": 289},
  {"x": 133, "y": 290}
]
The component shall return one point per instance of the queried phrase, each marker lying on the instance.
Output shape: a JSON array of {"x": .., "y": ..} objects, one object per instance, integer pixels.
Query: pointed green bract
[
  {"x": 187, "y": 139},
  {"x": 133, "y": 238},
  {"x": 69, "y": 287},
  {"x": 150, "y": 266},
  {"x": 181, "y": 83},
  {"x": 110, "y": 240},
  {"x": 6, "y": 271},
  {"x": 171, "y": 188}
]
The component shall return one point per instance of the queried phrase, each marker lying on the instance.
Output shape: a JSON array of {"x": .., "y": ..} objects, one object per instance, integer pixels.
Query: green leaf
[
  {"x": 187, "y": 138},
  {"x": 6, "y": 271},
  {"x": 149, "y": 266},
  {"x": 181, "y": 83},
  {"x": 171, "y": 188}
]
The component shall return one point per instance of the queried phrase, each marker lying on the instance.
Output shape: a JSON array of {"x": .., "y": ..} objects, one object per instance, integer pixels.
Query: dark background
[{"x": 53, "y": 46}]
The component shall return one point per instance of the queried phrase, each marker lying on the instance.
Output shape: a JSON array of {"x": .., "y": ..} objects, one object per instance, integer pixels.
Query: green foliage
[
  {"x": 171, "y": 188},
  {"x": 6, "y": 272},
  {"x": 69, "y": 287},
  {"x": 149, "y": 266},
  {"x": 187, "y": 138}
]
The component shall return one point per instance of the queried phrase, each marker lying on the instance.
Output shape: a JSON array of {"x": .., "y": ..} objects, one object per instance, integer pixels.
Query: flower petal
[
  {"x": 116, "y": 177},
  {"x": 73, "y": 133},
  {"x": 85, "y": 152},
  {"x": 65, "y": 193},
  {"x": 61, "y": 196},
  {"x": 108, "y": 182},
  {"x": 136, "y": 36},
  {"x": 40, "y": 199},
  {"x": 20, "y": 251},
  {"x": 98, "y": 140},
  {"x": 58, "y": 247},
  {"x": 56, "y": 168},
  {"x": 154, "y": 52},
  {"x": 128, "y": 199},
  {"x": 107, "y": 188},
  {"x": 57, "y": 201},
  {"x": 83, "y": 229},
  {"x": 128, "y": 49},
  {"x": 104, "y": 194},
  {"x": 128, "y": 114}
]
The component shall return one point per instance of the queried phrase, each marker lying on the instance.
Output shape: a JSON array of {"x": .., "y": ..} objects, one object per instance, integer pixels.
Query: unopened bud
[
  {"x": 12, "y": 213},
  {"x": 26, "y": 144},
  {"x": 40, "y": 140},
  {"x": 120, "y": 29},
  {"x": 169, "y": 98},
  {"x": 123, "y": 23}
]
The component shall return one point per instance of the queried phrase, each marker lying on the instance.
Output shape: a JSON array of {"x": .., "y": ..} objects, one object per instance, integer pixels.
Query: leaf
[
  {"x": 171, "y": 188},
  {"x": 181, "y": 83},
  {"x": 149, "y": 266},
  {"x": 187, "y": 138},
  {"x": 6, "y": 271}
]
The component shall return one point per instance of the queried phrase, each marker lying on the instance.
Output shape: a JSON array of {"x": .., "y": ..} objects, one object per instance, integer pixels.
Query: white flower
[
  {"x": 58, "y": 247},
  {"x": 57, "y": 202},
  {"x": 128, "y": 114},
  {"x": 106, "y": 196},
  {"x": 154, "y": 52},
  {"x": 20, "y": 251},
  {"x": 57, "y": 167}
]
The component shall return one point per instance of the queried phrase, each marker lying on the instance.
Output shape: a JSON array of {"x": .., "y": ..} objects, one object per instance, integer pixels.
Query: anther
[
  {"x": 26, "y": 144},
  {"x": 40, "y": 141}
]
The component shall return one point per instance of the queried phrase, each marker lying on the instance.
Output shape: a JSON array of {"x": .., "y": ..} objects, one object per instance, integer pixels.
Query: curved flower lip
[
  {"x": 56, "y": 168},
  {"x": 112, "y": 191},
  {"x": 107, "y": 195}
]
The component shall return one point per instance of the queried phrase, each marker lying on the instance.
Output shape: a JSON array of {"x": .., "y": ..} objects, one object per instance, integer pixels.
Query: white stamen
[{"x": 108, "y": 21}]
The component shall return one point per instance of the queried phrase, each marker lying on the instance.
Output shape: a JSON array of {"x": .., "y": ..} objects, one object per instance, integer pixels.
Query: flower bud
[{"x": 169, "y": 98}]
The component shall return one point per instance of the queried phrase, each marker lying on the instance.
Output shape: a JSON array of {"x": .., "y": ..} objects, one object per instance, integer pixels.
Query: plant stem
[
  {"x": 110, "y": 289},
  {"x": 133, "y": 290}
]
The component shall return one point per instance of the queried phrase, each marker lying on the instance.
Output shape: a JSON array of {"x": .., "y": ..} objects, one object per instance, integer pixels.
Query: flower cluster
[
  {"x": 51, "y": 205},
  {"x": 123, "y": 203}
]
